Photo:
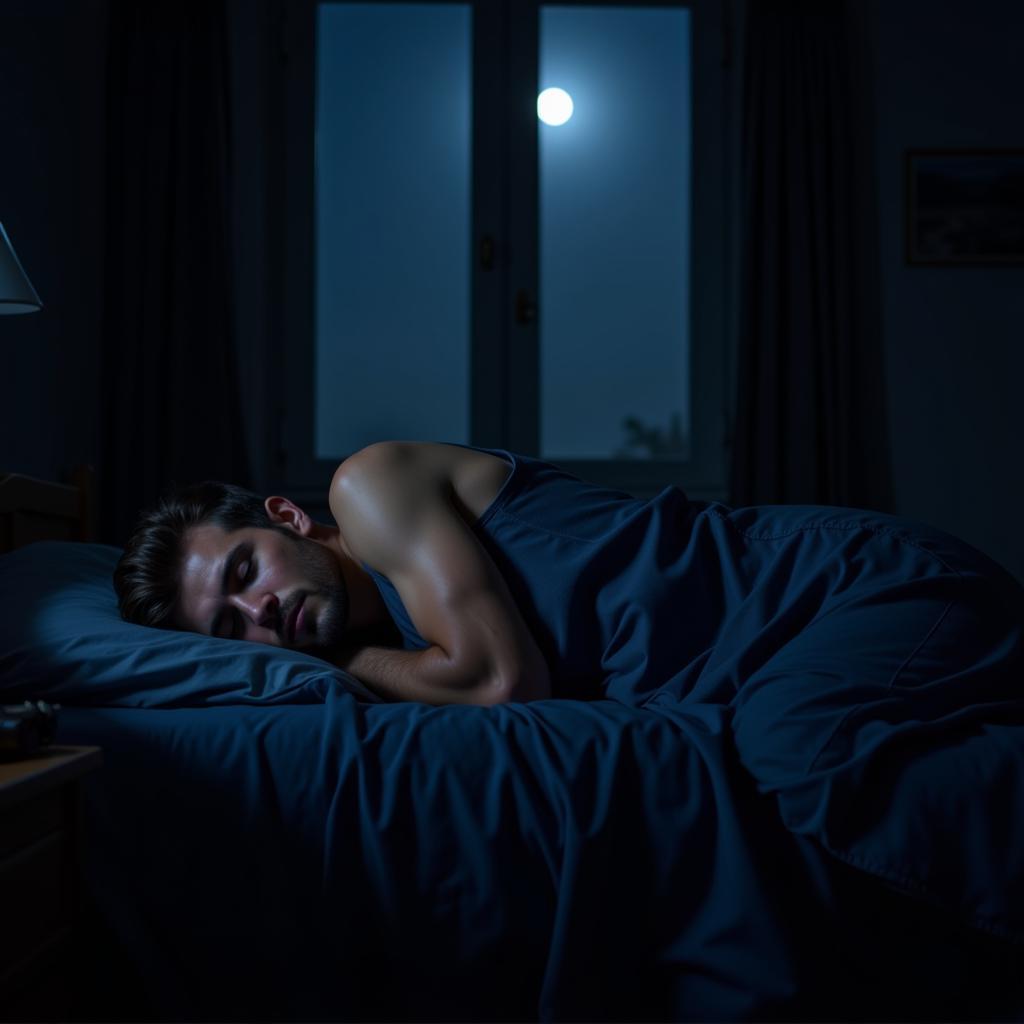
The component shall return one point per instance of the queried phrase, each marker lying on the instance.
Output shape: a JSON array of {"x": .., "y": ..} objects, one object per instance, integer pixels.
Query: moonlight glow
[{"x": 554, "y": 106}]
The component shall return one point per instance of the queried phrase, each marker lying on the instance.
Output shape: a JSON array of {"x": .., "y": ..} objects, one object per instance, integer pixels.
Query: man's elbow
[{"x": 528, "y": 683}]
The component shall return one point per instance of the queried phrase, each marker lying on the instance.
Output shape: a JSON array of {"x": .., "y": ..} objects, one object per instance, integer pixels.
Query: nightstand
[{"x": 39, "y": 880}]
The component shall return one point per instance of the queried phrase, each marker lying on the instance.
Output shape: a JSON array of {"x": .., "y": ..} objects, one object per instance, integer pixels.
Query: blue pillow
[{"x": 63, "y": 640}]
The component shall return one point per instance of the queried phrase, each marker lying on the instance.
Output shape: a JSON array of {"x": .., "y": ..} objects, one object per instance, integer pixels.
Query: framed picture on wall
[{"x": 965, "y": 207}]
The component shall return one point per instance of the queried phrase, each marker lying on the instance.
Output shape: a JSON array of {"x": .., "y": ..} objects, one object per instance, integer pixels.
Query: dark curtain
[
  {"x": 170, "y": 403},
  {"x": 810, "y": 415}
]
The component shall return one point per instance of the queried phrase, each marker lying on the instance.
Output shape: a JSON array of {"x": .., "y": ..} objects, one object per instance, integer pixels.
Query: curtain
[
  {"x": 170, "y": 398},
  {"x": 810, "y": 397}
]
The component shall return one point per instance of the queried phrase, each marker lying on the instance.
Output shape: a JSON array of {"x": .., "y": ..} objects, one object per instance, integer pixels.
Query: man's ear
[{"x": 283, "y": 512}]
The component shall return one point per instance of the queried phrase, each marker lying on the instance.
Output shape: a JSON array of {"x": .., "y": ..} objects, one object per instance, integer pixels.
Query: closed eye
[
  {"x": 246, "y": 572},
  {"x": 241, "y": 568}
]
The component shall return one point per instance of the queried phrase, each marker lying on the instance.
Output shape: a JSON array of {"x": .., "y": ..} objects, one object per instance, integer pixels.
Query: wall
[
  {"x": 51, "y": 202},
  {"x": 950, "y": 75}
]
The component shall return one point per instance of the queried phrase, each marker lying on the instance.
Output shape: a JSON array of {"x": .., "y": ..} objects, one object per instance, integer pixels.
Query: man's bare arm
[
  {"x": 397, "y": 515},
  {"x": 426, "y": 676}
]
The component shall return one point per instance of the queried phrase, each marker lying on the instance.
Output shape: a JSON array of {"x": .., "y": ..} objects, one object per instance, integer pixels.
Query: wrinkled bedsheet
[{"x": 558, "y": 860}]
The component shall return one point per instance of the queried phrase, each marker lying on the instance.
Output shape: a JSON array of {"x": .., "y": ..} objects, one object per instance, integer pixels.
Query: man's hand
[{"x": 394, "y": 507}]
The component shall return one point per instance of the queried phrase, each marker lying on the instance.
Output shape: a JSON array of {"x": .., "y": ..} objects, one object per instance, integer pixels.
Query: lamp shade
[{"x": 16, "y": 292}]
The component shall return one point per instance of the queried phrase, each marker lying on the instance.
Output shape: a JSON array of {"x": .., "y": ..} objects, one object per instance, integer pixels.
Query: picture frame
[{"x": 965, "y": 207}]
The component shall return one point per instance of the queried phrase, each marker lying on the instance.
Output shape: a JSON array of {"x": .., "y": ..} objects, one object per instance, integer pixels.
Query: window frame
[{"x": 504, "y": 371}]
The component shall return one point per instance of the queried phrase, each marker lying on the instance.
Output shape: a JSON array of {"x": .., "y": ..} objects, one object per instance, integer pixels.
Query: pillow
[{"x": 63, "y": 640}]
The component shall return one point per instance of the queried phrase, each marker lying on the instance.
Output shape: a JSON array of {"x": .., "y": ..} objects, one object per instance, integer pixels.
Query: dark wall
[
  {"x": 51, "y": 203},
  {"x": 950, "y": 75}
]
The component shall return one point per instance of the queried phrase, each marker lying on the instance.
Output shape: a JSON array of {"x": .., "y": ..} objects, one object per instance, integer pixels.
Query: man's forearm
[{"x": 425, "y": 675}]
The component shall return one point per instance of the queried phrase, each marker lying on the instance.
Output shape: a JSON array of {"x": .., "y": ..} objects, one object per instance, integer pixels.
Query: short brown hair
[{"x": 147, "y": 576}]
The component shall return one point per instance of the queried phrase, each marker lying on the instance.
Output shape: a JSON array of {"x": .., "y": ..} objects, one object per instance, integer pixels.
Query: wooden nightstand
[{"x": 39, "y": 880}]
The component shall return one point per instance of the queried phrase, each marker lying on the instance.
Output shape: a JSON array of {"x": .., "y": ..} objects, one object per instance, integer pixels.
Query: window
[
  {"x": 458, "y": 269},
  {"x": 392, "y": 224},
  {"x": 615, "y": 234}
]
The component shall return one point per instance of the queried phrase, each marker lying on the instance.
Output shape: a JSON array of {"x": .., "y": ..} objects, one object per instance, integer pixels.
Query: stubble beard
[{"x": 327, "y": 583}]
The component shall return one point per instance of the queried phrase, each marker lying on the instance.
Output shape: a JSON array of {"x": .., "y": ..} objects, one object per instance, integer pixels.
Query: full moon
[{"x": 554, "y": 106}]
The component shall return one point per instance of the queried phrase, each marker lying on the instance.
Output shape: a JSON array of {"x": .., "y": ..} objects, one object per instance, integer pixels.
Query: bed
[{"x": 267, "y": 841}]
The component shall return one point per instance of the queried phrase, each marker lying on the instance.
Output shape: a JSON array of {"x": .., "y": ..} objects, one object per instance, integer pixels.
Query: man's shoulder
[
  {"x": 398, "y": 466},
  {"x": 391, "y": 465},
  {"x": 384, "y": 492},
  {"x": 371, "y": 479}
]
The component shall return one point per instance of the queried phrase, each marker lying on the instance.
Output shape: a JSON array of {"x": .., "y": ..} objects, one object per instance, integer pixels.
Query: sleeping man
[
  {"x": 221, "y": 561},
  {"x": 863, "y": 670},
  {"x": 462, "y": 575}
]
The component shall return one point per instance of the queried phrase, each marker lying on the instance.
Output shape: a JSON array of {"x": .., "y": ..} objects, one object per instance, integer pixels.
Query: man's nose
[{"x": 262, "y": 609}]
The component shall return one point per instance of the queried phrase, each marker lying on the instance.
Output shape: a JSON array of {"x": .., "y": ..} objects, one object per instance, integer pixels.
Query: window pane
[
  {"x": 615, "y": 234},
  {"x": 392, "y": 223}
]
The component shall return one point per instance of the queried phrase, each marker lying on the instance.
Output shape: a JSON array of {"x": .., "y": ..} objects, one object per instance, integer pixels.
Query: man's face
[{"x": 269, "y": 586}]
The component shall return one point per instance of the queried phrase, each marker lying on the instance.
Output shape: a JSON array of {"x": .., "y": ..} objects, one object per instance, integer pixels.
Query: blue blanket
[
  {"x": 558, "y": 860},
  {"x": 738, "y": 841},
  {"x": 554, "y": 861}
]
